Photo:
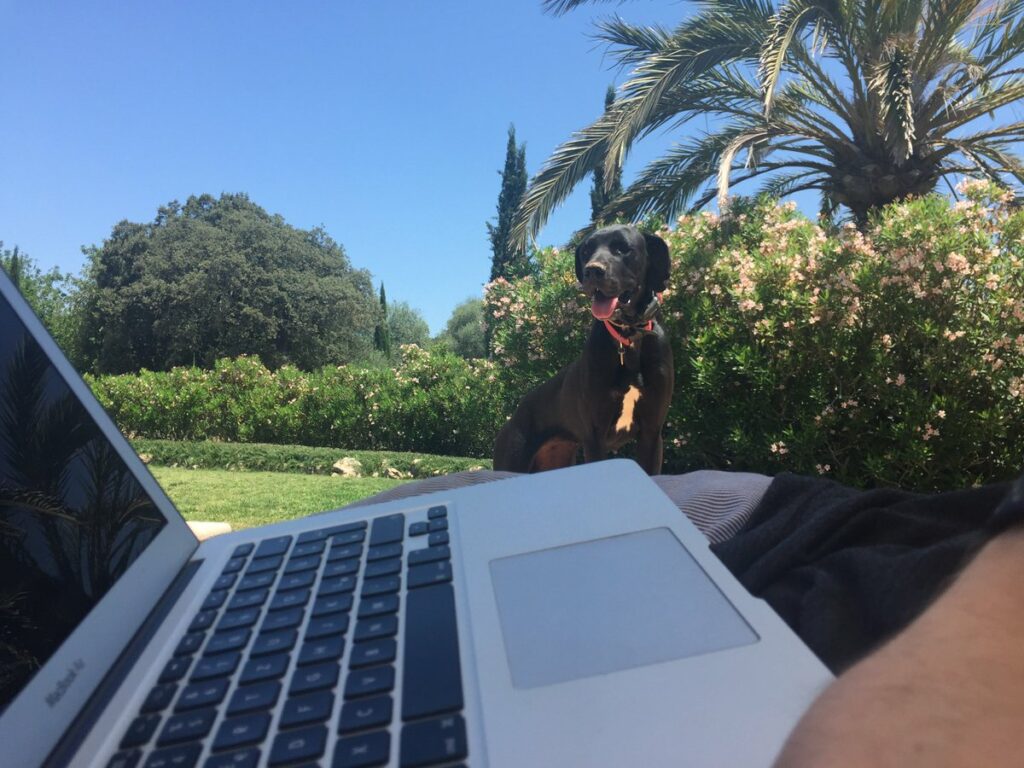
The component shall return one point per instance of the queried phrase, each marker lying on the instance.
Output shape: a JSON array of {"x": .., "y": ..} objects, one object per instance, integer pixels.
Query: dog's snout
[{"x": 593, "y": 271}]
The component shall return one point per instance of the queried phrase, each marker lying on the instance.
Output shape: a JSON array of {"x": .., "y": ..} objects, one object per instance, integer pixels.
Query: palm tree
[{"x": 865, "y": 101}]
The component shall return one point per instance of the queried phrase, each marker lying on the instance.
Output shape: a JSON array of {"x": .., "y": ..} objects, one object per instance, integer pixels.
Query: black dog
[{"x": 621, "y": 386}]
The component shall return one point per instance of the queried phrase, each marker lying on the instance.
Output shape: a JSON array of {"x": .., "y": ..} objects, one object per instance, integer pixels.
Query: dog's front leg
[
  {"x": 649, "y": 453},
  {"x": 594, "y": 449}
]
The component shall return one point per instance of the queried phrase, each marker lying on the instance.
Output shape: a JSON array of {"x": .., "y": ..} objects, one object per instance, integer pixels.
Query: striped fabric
[{"x": 718, "y": 503}]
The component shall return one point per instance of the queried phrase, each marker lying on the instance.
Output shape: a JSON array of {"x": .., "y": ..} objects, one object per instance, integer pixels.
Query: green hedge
[
  {"x": 893, "y": 357},
  {"x": 431, "y": 403}
]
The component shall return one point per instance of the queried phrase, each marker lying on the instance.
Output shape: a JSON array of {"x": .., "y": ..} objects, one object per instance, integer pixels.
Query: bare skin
[{"x": 947, "y": 691}]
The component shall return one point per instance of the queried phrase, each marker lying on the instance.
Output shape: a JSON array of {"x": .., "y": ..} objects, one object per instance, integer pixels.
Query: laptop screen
[{"x": 72, "y": 516}]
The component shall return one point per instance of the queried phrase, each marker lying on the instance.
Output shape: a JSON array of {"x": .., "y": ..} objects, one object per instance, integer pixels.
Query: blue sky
[{"x": 383, "y": 121}]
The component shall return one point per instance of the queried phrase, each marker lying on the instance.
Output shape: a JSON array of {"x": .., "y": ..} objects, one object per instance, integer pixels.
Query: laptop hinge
[{"x": 70, "y": 742}]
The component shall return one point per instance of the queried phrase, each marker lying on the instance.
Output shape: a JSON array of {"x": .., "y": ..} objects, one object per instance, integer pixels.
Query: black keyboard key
[
  {"x": 359, "y": 525},
  {"x": 432, "y": 678},
  {"x": 429, "y": 573},
  {"x": 203, "y": 620},
  {"x": 231, "y": 640},
  {"x": 266, "y": 668},
  {"x": 159, "y": 698},
  {"x": 296, "y": 581},
  {"x": 303, "y": 710},
  {"x": 326, "y": 626},
  {"x": 244, "y": 758},
  {"x": 378, "y": 606},
  {"x": 303, "y": 744},
  {"x": 242, "y": 550},
  {"x": 435, "y": 512},
  {"x": 297, "y": 564},
  {"x": 429, "y": 555},
  {"x": 227, "y": 581},
  {"x": 210, "y": 667},
  {"x": 175, "y": 669},
  {"x": 365, "y": 682},
  {"x": 383, "y": 586},
  {"x": 382, "y": 568},
  {"x": 254, "y": 698},
  {"x": 363, "y": 714},
  {"x": 367, "y": 654},
  {"x": 362, "y": 751},
  {"x": 182, "y": 756},
  {"x": 383, "y": 552},
  {"x": 199, "y": 695},
  {"x": 276, "y": 546},
  {"x": 336, "y": 585},
  {"x": 190, "y": 643},
  {"x": 125, "y": 759},
  {"x": 308, "y": 548},
  {"x": 282, "y": 619},
  {"x": 249, "y": 599},
  {"x": 340, "y": 574},
  {"x": 375, "y": 627},
  {"x": 341, "y": 568},
  {"x": 215, "y": 599},
  {"x": 346, "y": 552},
  {"x": 293, "y": 599},
  {"x": 308, "y": 536},
  {"x": 265, "y": 564},
  {"x": 313, "y": 678},
  {"x": 351, "y": 537},
  {"x": 321, "y": 649},
  {"x": 234, "y": 565},
  {"x": 387, "y": 530},
  {"x": 281, "y": 641},
  {"x": 437, "y": 539},
  {"x": 140, "y": 731},
  {"x": 438, "y": 525},
  {"x": 419, "y": 529},
  {"x": 441, "y": 740},
  {"x": 256, "y": 581},
  {"x": 235, "y": 619},
  {"x": 324, "y": 606},
  {"x": 242, "y": 731},
  {"x": 188, "y": 726}
]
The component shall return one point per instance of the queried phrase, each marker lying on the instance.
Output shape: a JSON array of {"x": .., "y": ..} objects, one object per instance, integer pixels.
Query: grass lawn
[{"x": 247, "y": 499}]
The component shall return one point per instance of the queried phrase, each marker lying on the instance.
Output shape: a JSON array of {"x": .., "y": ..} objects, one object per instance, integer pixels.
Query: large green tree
[
  {"x": 606, "y": 187},
  {"x": 406, "y": 325},
  {"x": 506, "y": 260},
  {"x": 222, "y": 277},
  {"x": 865, "y": 101},
  {"x": 465, "y": 331}
]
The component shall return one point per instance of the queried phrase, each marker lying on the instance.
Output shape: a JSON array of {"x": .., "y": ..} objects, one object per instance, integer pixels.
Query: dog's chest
[{"x": 626, "y": 419}]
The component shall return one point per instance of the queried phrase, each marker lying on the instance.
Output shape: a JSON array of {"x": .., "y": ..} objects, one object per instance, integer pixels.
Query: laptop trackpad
[{"x": 606, "y": 605}]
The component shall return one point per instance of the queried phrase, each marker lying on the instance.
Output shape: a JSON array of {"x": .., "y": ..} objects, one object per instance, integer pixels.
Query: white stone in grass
[{"x": 347, "y": 467}]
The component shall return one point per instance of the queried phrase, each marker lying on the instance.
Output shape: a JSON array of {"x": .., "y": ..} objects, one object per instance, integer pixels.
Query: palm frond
[{"x": 630, "y": 44}]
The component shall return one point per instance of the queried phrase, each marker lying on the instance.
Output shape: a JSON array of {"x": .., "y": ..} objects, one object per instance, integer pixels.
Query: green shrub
[
  {"x": 893, "y": 357},
  {"x": 431, "y": 402}
]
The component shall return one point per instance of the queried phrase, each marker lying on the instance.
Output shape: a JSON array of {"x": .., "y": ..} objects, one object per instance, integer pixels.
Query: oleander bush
[
  {"x": 889, "y": 357},
  {"x": 432, "y": 402}
]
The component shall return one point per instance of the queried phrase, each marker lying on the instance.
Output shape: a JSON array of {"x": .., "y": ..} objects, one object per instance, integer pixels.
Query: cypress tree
[
  {"x": 381, "y": 332},
  {"x": 505, "y": 262}
]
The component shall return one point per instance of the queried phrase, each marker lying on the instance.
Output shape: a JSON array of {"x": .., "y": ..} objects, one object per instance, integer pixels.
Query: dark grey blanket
[{"x": 846, "y": 569}]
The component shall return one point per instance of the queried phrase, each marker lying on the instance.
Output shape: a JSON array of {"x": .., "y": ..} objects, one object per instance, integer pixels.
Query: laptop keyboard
[{"x": 304, "y": 654}]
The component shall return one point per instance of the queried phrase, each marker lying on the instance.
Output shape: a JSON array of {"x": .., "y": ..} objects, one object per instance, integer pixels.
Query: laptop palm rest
[{"x": 610, "y": 604}]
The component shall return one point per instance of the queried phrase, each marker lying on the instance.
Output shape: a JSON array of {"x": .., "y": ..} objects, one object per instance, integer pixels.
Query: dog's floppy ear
[
  {"x": 658, "y": 263},
  {"x": 579, "y": 261}
]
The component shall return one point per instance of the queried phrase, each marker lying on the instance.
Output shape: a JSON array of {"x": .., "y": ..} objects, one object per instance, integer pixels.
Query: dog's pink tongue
[{"x": 602, "y": 308}]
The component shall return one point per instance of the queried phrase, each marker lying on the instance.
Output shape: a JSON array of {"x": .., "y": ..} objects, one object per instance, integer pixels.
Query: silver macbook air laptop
[{"x": 572, "y": 618}]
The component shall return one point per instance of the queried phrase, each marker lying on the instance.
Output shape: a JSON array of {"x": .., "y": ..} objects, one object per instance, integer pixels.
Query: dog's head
[{"x": 620, "y": 269}]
